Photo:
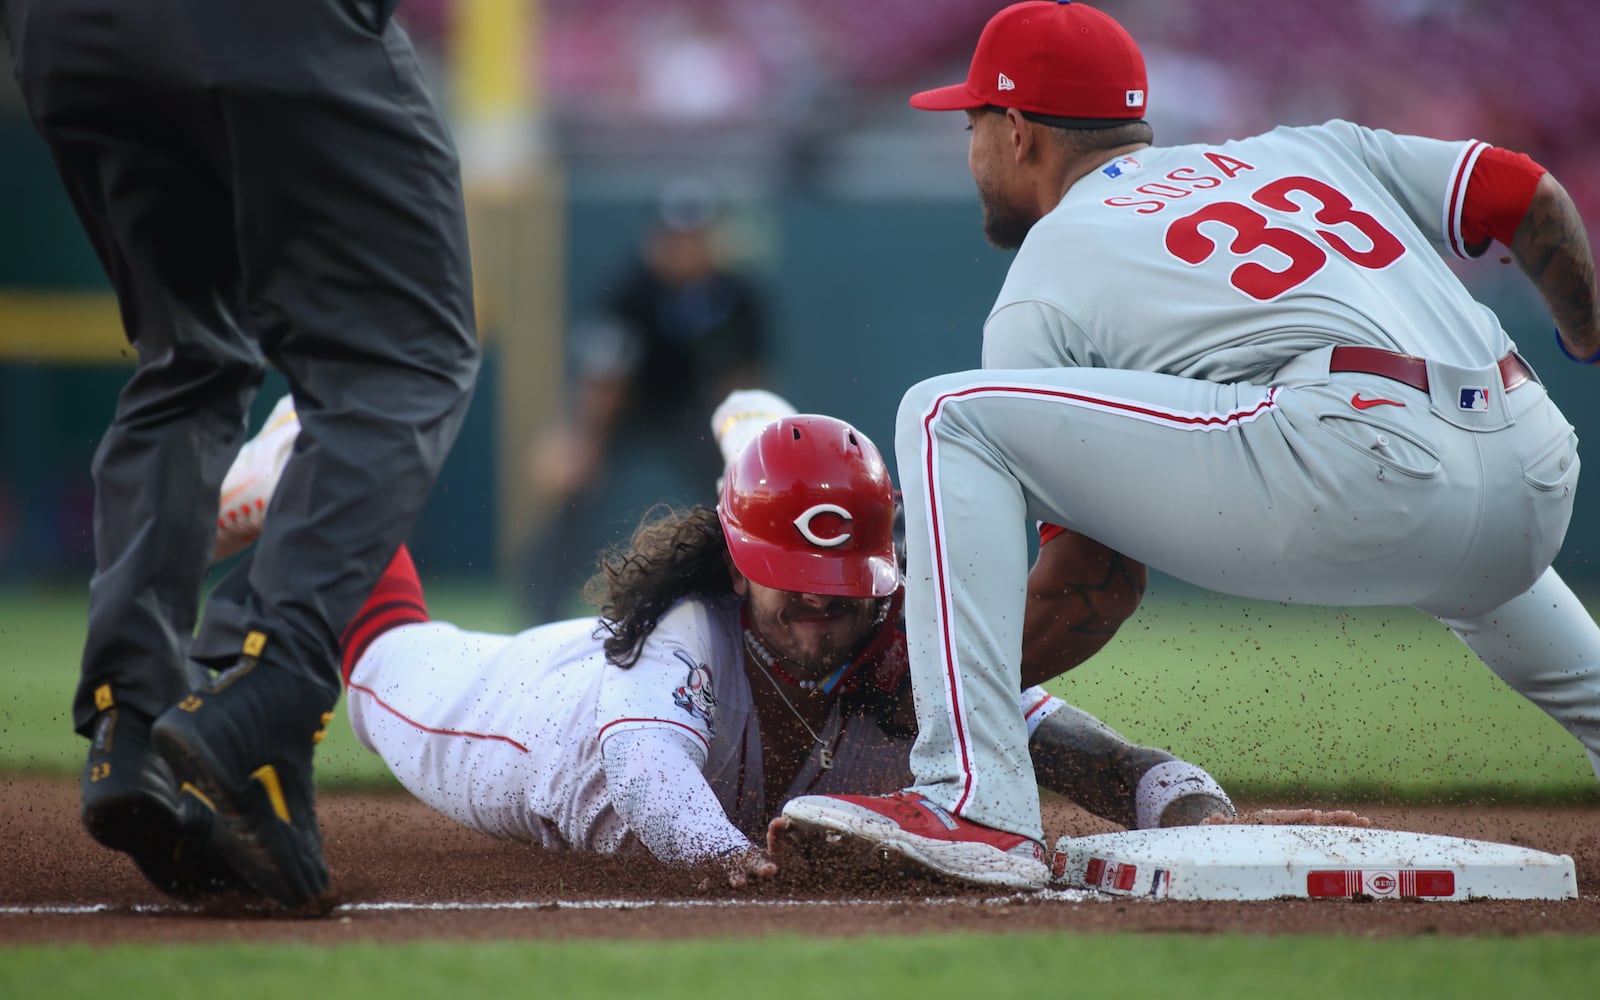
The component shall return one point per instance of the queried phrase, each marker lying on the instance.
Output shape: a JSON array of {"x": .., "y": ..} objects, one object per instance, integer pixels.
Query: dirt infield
[{"x": 402, "y": 872}]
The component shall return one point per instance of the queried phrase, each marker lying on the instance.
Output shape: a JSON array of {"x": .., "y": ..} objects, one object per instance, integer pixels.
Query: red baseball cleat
[{"x": 908, "y": 826}]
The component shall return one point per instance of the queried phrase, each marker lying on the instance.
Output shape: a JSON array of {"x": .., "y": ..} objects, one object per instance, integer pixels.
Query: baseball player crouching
[
  {"x": 745, "y": 655},
  {"x": 1245, "y": 365}
]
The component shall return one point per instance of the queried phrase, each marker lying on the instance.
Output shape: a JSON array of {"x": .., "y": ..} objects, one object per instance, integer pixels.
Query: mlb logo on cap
[{"x": 1475, "y": 398}]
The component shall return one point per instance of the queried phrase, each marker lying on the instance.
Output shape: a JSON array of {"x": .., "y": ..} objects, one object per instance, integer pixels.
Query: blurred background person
[{"x": 675, "y": 330}]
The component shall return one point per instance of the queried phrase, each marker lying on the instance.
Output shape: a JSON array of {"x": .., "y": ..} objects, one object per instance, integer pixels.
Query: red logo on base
[
  {"x": 1103, "y": 874},
  {"x": 1404, "y": 884}
]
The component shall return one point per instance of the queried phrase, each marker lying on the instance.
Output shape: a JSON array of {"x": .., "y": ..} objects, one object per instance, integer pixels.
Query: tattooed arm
[
  {"x": 1079, "y": 594},
  {"x": 1552, "y": 248},
  {"x": 1097, "y": 768}
]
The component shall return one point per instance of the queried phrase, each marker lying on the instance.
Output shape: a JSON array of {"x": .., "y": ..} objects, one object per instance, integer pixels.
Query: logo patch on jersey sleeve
[
  {"x": 694, "y": 695},
  {"x": 1476, "y": 399}
]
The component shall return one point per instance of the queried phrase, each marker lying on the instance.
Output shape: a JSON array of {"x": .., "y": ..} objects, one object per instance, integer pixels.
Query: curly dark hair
[{"x": 673, "y": 554}]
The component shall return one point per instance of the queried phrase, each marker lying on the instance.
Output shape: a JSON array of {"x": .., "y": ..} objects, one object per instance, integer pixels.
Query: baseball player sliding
[
  {"x": 1243, "y": 364},
  {"x": 746, "y": 655}
]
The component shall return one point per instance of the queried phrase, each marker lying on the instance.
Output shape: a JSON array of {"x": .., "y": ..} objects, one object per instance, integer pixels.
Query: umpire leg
[
  {"x": 352, "y": 242},
  {"x": 161, "y": 225},
  {"x": 359, "y": 281},
  {"x": 160, "y": 222}
]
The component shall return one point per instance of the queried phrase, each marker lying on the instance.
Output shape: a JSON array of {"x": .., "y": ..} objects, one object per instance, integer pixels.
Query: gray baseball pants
[{"x": 1285, "y": 493}]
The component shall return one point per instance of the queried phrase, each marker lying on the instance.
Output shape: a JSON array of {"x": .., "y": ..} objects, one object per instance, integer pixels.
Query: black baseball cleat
[
  {"x": 246, "y": 746},
  {"x": 132, "y": 803}
]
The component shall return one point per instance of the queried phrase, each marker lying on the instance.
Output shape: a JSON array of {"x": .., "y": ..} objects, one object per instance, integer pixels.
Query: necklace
[
  {"x": 826, "y": 685},
  {"x": 769, "y": 661},
  {"x": 824, "y": 752}
]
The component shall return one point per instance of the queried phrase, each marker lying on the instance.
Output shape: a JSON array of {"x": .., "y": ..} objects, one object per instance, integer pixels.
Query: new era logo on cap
[{"x": 1006, "y": 83}]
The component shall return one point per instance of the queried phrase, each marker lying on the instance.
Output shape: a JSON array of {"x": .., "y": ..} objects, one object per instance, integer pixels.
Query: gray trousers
[
  {"x": 265, "y": 183},
  {"x": 1288, "y": 493}
]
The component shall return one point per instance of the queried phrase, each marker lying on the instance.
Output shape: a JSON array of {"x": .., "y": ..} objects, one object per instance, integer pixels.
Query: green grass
[
  {"x": 41, "y": 639},
  {"x": 995, "y": 967},
  {"x": 1277, "y": 701}
]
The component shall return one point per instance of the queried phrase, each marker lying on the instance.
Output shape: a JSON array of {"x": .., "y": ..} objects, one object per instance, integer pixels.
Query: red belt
[{"x": 1412, "y": 370}]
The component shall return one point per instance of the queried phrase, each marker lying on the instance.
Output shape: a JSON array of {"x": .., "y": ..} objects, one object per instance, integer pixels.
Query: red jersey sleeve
[{"x": 1498, "y": 196}]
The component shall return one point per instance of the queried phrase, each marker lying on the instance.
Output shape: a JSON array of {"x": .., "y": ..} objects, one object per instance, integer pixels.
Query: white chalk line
[{"x": 1045, "y": 895}]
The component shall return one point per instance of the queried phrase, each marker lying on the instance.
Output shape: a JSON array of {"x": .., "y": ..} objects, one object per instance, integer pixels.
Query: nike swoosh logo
[{"x": 1366, "y": 404}]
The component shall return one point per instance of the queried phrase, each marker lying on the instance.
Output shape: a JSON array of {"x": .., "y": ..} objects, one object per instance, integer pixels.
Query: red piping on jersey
[
  {"x": 601, "y": 736},
  {"x": 1458, "y": 197},
  {"x": 430, "y": 729},
  {"x": 1187, "y": 421},
  {"x": 957, "y": 710},
  {"x": 1194, "y": 421}
]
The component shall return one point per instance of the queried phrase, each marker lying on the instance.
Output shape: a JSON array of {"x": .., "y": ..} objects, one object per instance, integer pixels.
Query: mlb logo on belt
[{"x": 1475, "y": 398}]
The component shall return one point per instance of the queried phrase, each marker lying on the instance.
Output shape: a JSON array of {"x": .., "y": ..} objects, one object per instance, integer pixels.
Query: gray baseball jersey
[{"x": 1160, "y": 375}]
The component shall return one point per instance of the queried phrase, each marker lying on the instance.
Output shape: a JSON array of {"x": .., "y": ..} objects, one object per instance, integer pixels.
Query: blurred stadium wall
[{"x": 854, "y": 212}]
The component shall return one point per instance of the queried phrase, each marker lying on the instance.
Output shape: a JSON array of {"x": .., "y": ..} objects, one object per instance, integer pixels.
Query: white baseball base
[{"x": 1274, "y": 862}]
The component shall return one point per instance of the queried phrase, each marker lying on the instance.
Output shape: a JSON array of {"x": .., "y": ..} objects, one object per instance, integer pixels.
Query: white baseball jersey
[
  {"x": 1157, "y": 376},
  {"x": 508, "y": 734}
]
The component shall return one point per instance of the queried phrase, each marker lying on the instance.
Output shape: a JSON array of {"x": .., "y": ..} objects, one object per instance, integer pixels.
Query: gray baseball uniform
[{"x": 1180, "y": 365}]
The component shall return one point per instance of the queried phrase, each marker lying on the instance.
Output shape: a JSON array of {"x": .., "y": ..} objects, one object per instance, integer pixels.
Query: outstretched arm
[
  {"x": 1082, "y": 758},
  {"x": 1551, "y": 247},
  {"x": 659, "y": 792}
]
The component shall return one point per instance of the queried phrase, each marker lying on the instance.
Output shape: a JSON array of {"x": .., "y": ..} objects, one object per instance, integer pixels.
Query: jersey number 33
[{"x": 1336, "y": 217}]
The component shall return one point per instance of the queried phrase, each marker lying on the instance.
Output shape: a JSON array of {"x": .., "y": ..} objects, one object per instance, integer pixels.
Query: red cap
[
  {"x": 1062, "y": 59},
  {"x": 808, "y": 506}
]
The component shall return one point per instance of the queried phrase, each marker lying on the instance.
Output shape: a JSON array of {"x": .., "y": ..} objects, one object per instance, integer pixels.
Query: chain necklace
[{"x": 824, "y": 752}]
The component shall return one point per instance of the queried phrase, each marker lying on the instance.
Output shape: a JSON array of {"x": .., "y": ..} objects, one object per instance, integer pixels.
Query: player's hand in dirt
[
  {"x": 739, "y": 868},
  {"x": 1292, "y": 817},
  {"x": 782, "y": 850}
]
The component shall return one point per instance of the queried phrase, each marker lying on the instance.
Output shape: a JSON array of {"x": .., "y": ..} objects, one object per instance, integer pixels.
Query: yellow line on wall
[{"x": 62, "y": 327}]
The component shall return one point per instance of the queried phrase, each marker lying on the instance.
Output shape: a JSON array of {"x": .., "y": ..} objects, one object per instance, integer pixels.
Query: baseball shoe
[
  {"x": 251, "y": 479},
  {"x": 908, "y": 827},
  {"x": 245, "y": 745},
  {"x": 130, "y": 802}
]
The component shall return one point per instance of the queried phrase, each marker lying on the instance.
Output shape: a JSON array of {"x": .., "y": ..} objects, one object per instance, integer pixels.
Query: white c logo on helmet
[{"x": 803, "y": 522}]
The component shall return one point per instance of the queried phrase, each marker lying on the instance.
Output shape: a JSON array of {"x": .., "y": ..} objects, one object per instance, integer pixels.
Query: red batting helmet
[{"x": 808, "y": 506}]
